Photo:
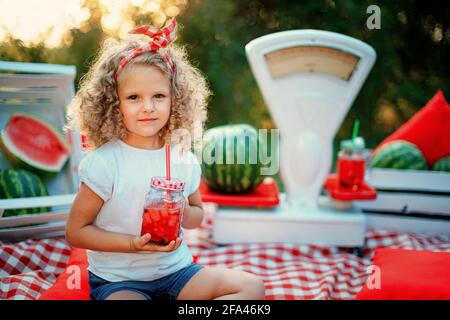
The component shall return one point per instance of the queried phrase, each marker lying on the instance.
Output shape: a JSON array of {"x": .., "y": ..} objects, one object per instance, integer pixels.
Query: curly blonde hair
[{"x": 94, "y": 110}]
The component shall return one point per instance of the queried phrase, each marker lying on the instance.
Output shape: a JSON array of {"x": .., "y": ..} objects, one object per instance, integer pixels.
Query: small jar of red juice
[
  {"x": 351, "y": 164},
  {"x": 163, "y": 210}
]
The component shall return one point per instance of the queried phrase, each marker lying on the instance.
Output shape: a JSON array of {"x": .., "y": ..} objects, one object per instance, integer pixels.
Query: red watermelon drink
[
  {"x": 351, "y": 164},
  {"x": 164, "y": 206},
  {"x": 351, "y": 173},
  {"x": 162, "y": 218}
]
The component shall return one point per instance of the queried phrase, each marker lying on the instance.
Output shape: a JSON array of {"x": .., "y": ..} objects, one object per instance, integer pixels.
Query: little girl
[{"x": 135, "y": 96}]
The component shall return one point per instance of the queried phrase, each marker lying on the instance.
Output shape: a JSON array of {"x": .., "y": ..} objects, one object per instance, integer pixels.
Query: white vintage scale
[{"x": 309, "y": 79}]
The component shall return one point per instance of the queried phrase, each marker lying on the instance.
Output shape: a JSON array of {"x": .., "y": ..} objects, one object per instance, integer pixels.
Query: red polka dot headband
[{"x": 159, "y": 38}]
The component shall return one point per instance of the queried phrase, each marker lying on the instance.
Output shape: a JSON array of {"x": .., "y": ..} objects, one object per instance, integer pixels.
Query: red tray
[
  {"x": 339, "y": 193},
  {"x": 265, "y": 195}
]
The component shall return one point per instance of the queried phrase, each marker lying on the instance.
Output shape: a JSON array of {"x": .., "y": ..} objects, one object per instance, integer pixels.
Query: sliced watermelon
[{"x": 32, "y": 143}]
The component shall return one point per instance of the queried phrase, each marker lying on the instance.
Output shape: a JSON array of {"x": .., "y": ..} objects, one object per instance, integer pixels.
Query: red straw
[
  {"x": 168, "y": 161},
  {"x": 168, "y": 170}
]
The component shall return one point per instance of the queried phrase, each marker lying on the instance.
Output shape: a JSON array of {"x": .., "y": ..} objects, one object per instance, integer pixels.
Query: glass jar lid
[
  {"x": 165, "y": 184},
  {"x": 356, "y": 144}
]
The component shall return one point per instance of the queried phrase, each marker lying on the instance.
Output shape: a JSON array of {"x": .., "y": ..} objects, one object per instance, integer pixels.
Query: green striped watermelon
[
  {"x": 399, "y": 155},
  {"x": 33, "y": 144},
  {"x": 443, "y": 164},
  {"x": 18, "y": 183},
  {"x": 240, "y": 170}
]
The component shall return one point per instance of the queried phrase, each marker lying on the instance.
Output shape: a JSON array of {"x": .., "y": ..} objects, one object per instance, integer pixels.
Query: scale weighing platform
[{"x": 308, "y": 79}]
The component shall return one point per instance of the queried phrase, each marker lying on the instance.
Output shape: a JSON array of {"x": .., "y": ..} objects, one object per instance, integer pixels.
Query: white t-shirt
[{"x": 120, "y": 174}]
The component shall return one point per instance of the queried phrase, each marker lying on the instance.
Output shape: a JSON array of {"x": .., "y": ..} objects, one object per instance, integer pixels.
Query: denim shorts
[{"x": 166, "y": 288}]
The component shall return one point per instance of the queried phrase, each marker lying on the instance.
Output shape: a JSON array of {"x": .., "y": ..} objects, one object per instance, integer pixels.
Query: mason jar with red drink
[
  {"x": 351, "y": 164},
  {"x": 163, "y": 210}
]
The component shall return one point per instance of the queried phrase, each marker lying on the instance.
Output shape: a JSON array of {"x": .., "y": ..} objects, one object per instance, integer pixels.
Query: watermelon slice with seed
[{"x": 32, "y": 143}]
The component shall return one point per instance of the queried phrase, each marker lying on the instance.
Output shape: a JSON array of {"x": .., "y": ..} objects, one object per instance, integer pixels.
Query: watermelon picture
[
  {"x": 399, "y": 155},
  {"x": 236, "y": 167},
  {"x": 18, "y": 183},
  {"x": 31, "y": 143},
  {"x": 443, "y": 164}
]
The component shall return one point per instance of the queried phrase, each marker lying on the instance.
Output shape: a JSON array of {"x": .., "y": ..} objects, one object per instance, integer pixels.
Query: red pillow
[
  {"x": 408, "y": 275},
  {"x": 428, "y": 129},
  {"x": 73, "y": 283}
]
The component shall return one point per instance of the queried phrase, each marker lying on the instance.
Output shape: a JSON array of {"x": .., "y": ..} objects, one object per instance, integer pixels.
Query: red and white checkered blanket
[{"x": 289, "y": 271}]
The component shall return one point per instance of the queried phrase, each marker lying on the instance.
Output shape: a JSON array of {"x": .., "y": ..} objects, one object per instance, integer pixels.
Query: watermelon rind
[
  {"x": 232, "y": 177},
  {"x": 399, "y": 154},
  {"x": 443, "y": 164},
  {"x": 19, "y": 183},
  {"x": 19, "y": 160}
]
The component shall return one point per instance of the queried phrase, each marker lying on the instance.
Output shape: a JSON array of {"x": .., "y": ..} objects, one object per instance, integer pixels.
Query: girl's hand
[{"x": 139, "y": 243}]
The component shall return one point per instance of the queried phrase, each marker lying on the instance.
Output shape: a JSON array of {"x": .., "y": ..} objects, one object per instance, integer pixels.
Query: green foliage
[{"x": 411, "y": 65}]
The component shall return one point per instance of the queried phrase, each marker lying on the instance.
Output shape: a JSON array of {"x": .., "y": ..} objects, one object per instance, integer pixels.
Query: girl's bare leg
[
  {"x": 221, "y": 283},
  {"x": 125, "y": 295}
]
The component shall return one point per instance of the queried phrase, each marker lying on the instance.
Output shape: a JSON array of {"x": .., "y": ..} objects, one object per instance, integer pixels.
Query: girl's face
[{"x": 145, "y": 101}]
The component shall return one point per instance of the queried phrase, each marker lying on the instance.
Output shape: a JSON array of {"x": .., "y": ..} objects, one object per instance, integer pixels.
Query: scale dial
[{"x": 312, "y": 59}]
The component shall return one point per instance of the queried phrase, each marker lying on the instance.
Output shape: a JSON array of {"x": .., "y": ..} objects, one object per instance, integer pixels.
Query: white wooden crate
[
  {"x": 409, "y": 200},
  {"x": 44, "y": 90},
  {"x": 410, "y": 180}
]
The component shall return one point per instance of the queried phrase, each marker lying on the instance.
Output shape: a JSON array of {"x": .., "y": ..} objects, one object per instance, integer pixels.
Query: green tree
[{"x": 413, "y": 47}]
